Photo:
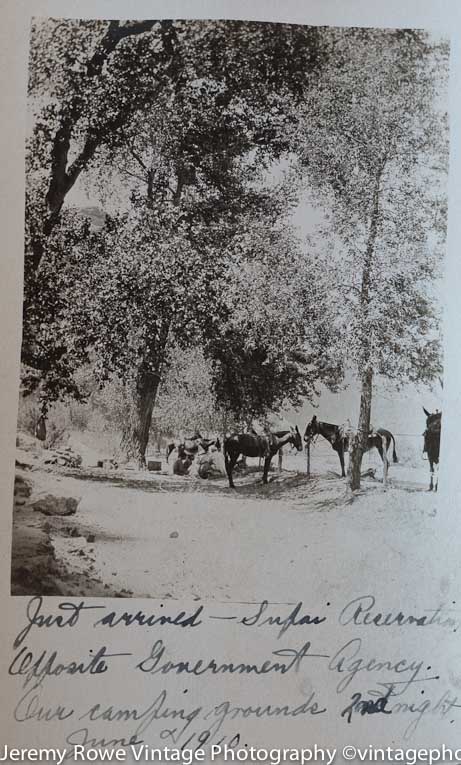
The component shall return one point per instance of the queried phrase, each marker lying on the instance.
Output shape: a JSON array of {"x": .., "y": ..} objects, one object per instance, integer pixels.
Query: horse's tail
[{"x": 394, "y": 453}]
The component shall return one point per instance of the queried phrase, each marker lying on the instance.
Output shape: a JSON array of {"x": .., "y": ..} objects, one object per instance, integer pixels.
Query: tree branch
[{"x": 62, "y": 179}]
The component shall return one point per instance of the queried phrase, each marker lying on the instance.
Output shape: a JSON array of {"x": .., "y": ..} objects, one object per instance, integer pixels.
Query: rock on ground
[{"x": 50, "y": 505}]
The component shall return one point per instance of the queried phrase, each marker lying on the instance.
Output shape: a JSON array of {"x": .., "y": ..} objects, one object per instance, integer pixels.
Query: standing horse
[
  {"x": 340, "y": 441},
  {"x": 192, "y": 445},
  {"x": 432, "y": 444},
  {"x": 252, "y": 445}
]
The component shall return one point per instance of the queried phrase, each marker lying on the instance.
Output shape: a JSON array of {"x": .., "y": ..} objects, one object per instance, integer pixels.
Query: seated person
[
  {"x": 207, "y": 465},
  {"x": 182, "y": 465}
]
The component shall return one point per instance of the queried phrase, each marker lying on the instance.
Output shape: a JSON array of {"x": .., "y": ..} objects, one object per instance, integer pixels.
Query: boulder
[
  {"x": 50, "y": 505},
  {"x": 66, "y": 458},
  {"x": 22, "y": 488}
]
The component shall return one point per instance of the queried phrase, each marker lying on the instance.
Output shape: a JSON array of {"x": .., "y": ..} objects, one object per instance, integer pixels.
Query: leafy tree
[
  {"x": 374, "y": 147},
  {"x": 195, "y": 107},
  {"x": 81, "y": 79},
  {"x": 186, "y": 403},
  {"x": 273, "y": 344},
  {"x": 89, "y": 79}
]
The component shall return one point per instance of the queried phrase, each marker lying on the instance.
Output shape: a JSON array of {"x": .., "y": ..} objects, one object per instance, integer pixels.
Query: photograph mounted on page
[{"x": 231, "y": 352}]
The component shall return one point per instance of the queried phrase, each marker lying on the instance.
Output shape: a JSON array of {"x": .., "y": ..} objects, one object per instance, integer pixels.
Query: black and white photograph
[{"x": 232, "y": 343}]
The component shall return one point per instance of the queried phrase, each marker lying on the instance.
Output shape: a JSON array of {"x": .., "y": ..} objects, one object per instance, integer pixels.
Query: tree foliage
[
  {"x": 273, "y": 345},
  {"x": 182, "y": 111}
]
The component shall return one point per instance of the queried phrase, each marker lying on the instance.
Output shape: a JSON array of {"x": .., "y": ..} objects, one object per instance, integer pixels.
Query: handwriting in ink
[
  {"x": 154, "y": 664},
  {"x": 69, "y": 617},
  {"x": 31, "y": 707},
  {"x": 362, "y": 612},
  {"x": 292, "y": 620},
  {"x": 348, "y": 663},
  {"x": 27, "y": 664},
  {"x": 140, "y": 619},
  {"x": 366, "y": 706}
]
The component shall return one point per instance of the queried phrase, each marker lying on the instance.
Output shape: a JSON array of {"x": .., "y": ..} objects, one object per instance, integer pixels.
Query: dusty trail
[{"x": 163, "y": 537}]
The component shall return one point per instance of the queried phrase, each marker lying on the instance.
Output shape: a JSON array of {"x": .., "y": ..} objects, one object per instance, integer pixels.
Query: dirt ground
[{"x": 140, "y": 534}]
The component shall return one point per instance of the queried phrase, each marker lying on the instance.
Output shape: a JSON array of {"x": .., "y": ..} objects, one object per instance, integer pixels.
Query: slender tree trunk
[{"x": 359, "y": 442}]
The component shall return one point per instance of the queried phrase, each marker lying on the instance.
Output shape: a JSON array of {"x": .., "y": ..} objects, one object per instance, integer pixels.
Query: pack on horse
[
  {"x": 432, "y": 443},
  {"x": 340, "y": 441},
  {"x": 191, "y": 446},
  {"x": 253, "y": 445},
  {"x": 279, "y": 434}
]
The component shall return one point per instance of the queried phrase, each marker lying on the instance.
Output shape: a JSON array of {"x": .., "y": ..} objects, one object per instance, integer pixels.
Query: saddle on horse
[{"x": 264, "y": 444}]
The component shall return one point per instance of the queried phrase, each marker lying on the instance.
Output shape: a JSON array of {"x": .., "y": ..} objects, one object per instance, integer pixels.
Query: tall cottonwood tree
[{"x": 374, "y": 147}]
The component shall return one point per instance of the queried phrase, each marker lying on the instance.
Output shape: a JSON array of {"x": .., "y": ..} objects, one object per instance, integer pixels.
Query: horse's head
[
  {"x": 312, "y": 429},
  {"x": 296, "y": 439},
  {"x": 433, "y": 420}
]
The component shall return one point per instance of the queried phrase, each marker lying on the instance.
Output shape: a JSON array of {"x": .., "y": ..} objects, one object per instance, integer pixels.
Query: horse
[
  {"x": 252, "y": 445},
  {"x": 432, "y": 444},
  {"x": 192, "y": 445},
  {"x": 340, "y": 441}
]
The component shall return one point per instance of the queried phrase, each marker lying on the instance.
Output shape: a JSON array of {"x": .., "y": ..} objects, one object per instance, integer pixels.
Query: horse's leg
[
  {"x": 431, "y": 467},
  {"x": 233, "y": 462},
  {"x": 267, "y": 463},
  {"x": 341, "y": 459},
  {"x": 436, "y": 476},
  {"x": 385, "y": 466},
  {"x": 388, "y": 446},
  {"x": 382, "y": 449},
  {"x": 280, "y": 459},
  {"x": 230, "y": 461}
]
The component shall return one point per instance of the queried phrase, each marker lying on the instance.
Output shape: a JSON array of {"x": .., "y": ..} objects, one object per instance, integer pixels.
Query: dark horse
[
  {"x": 432, "y": 443},
  {"x": 252, "y": 445},
  {"x": 192, "y": 445},
  {"x": 340, "y": 442}
]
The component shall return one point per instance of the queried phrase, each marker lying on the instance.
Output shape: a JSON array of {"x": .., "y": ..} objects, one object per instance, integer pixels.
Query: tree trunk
[
  {"x": 136, "y": 434},
  {"x": 359, "y": 442}
]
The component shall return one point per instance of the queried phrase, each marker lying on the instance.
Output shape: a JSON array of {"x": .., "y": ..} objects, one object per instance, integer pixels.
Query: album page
[{"x": 229, "y": 394}]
